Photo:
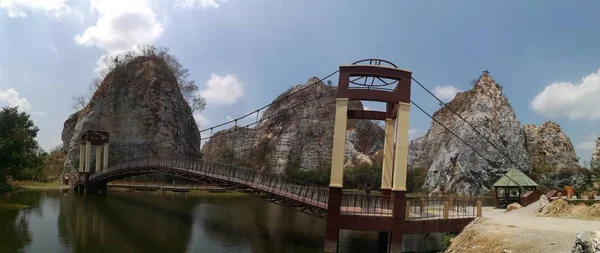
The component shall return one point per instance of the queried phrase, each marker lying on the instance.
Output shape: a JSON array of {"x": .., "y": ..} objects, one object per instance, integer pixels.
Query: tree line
[{"x": 21, "y": 157}]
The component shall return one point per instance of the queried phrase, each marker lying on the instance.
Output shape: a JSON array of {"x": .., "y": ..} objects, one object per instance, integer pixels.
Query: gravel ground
[
  {"x": 526, "y": 218},
  {"x": 520, "y": 231},
  {"x": 486, "y": 236}
]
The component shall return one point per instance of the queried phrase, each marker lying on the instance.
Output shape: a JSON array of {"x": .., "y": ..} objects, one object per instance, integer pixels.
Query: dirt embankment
[
  {"x": 482, "y": 235},
  {"x": 583, "y": 210}
]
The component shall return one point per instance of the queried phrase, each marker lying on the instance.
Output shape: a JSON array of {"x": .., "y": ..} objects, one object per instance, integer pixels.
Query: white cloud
[
  {"x": 366, "y": 108},
  {"x": 53, "y": 48},
  {"x": 413, "y": 131},
  {"x": 60, "y": 9},
  {"x": 11, "y": 98},
  {"x": 121, "y": 26},
  {"x": 587, "y": 145},
  {"x": 228, "y": 118},
  {"x": 223, "y": 90},
  {"x": 204, "y": 4},
  {"x": 40, "y": 113},
  {"x": 201, "y": 121},
  {"x": 574, "y": 101},
  {"x": 445, "y": 93}
]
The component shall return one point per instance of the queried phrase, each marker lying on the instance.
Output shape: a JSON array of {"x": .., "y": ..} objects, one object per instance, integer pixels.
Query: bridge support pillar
[
  {"x": 98, "y": 158},
  {"x": 401, "y": 156},
  {"x": 399, "y": 214},
  {"x": 388, "y": 155},
  {"x": 332, "y": 232},
  {"x": 88, "y": 149},
  {"x": 105, "y": 162},
  {"x": 81, "y": 157},
  {"x": 339, "y": 143},
  {"x": 383, "y": 242}
]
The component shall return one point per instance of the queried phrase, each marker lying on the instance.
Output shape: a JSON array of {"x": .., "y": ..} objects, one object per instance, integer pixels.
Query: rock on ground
[
  {"x": 542, "y": 203},
  {"x": 513, "y": 206},
  {"x": 587, "y": 242},
  {"x": 296, "y": 132},
  {"x": 142, "y": 108},
  {"x": 454, "y": 167}
]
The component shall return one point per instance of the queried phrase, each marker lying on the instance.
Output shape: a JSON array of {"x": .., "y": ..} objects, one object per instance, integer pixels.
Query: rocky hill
[
  {"x": 595, "y": 162},
  {"x": 453, "y": 166},
  {"x": 142, "y": 108},
  {"x": 549, "y": 148},
  {"x": 297, "y": 133}
]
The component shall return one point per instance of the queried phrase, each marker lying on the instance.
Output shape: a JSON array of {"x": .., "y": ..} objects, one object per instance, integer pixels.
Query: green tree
[
  {"x": 415, "y": 179},
  {"x": 20, "y": 155}
]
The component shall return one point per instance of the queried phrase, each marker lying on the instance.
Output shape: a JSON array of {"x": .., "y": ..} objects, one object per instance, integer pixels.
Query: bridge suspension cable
[
  {"x": 468, "y": 123},
  {"x": 274, "y": 102},
  {"x": 279, "y": 112}
]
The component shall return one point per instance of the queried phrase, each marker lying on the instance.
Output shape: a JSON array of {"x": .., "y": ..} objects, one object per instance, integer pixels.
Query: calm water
[{"x": 142, "y": 222}]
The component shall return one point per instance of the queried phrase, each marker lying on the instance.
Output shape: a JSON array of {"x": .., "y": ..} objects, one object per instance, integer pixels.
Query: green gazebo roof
[{"x": 515, "y": 178}]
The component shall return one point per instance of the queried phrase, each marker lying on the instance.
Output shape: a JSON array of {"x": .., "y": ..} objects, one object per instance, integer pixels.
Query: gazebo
[{"x": 511, "y": 187}]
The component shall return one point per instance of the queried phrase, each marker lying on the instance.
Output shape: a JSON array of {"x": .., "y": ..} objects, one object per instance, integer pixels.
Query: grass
[
  {"x": 5, "y": 206},
  {"x": 32, "y": 185}
]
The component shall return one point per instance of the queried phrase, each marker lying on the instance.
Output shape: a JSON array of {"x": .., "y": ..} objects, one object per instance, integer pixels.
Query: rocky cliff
[
  {"x": 453, "y": 166},
  {"x": 595, "y": 162},
  {"x": 142, "y": 108},
  {"x": 296, "y": 133},
  {"x": 549, "y": 148}
]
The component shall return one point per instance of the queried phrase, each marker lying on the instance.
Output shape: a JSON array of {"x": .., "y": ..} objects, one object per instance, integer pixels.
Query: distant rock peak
[
  {"x": 595, "y": 162},
  {"x": 301, "y": 138},
  {"x": 141, "y": 106},
  {"x": 454, "y": 167},
  {"x": 549, "y": 147}
]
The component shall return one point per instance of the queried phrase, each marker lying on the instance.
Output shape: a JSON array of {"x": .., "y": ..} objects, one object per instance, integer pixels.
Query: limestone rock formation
[
  {"x": 296, "y": 132},
  {"x": 595, "y": 162},
  {"x": 142, "y": 108},
  {"x": 455, "y": 167},
  {"x": 542, "y": 205},
  {"x": 549, "y": 147}
]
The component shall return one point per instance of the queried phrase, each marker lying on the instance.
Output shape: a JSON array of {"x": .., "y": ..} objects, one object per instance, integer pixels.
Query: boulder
[
  {"x": 142, "y": 108},
  {"x": 542, "y": 203},
  {"x": 587, "y": 242},
  {"x": 513, "y": 206}
]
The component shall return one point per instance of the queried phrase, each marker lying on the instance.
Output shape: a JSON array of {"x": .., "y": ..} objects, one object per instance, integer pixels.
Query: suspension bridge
[{"x": 389, "y": 213}]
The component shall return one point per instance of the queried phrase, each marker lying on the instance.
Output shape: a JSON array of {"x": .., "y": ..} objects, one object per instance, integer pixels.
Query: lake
[{"x": 125, "y": 221}]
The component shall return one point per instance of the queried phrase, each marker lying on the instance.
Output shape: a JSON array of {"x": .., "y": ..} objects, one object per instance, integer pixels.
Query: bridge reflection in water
[{"x": 358, "y": 211}]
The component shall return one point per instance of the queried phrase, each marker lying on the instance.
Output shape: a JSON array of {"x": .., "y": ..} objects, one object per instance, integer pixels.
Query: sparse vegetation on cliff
[{"x": 187, "y": 87}]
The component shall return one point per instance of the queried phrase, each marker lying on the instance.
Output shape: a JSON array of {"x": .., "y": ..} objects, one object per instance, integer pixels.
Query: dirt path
[
  {"x": 526, "y": 218},
  {"x": 520, "y": 231}
]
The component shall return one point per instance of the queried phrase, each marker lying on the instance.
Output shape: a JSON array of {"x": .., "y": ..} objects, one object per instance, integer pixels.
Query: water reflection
[
  {"x": 14, "y": 229},
  {"x": 142, "y": 222}
]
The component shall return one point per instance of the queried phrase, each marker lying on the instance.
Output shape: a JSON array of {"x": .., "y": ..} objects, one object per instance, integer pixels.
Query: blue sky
[{"x": 249, "y": 51}]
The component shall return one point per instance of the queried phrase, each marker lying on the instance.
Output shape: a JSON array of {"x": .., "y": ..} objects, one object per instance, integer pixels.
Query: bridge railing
[
  {"x": 262, "y": 181},
  {"x": 366, "y": 204},
  {"x": 442, "y": 208}
]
